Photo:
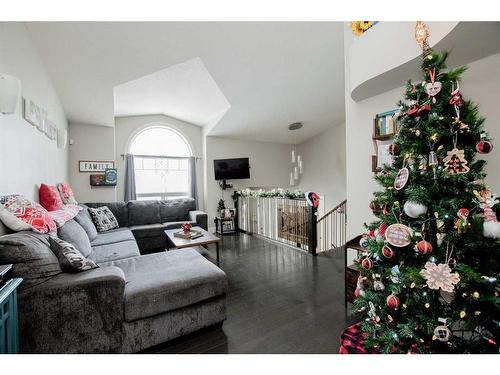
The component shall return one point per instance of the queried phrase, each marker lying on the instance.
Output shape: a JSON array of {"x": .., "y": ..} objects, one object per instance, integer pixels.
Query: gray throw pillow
[
  {"x": 70, "y": 259},
  {"x": 73, "y": 233},
  {"x": 83, "y": 218},
  {"x": 103, "y": 218}
]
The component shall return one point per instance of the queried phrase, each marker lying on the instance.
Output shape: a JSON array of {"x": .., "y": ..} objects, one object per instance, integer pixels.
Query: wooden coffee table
[{"x": 181, "y": 243}]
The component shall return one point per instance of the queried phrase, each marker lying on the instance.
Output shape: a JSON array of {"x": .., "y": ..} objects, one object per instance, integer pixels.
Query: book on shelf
[{"x": 386, "y": 125}]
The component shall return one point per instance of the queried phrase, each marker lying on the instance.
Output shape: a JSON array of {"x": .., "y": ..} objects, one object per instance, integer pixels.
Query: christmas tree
[{"x": 430, "y": 264}]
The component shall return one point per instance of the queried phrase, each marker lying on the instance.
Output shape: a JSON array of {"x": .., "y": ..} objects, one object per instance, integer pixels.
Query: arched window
[{"x": 162, "y": 164}]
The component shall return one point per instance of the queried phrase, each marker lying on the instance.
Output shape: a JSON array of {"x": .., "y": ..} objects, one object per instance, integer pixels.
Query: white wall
[
  {"x": 127, "y": 127},
  {"x": 481, "y": 84},
  {"x": 90, "y": 142},
  {"x": 269, "y": 167},
  {"x": 324, "y": 166},
  {"x": 28, "y": 157}
]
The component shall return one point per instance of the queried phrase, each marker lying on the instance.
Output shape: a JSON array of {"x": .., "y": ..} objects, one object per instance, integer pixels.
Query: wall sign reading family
[{"x": 95, "y": 165}]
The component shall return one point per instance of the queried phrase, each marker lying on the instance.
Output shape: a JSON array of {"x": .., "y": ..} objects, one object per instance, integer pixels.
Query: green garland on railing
[{"x": 274, "y": 193}]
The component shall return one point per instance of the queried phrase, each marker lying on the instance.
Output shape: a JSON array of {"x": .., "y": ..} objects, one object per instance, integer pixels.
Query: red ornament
[
  {"x": 392, "y": 301},
  {"x": 367, "y": 264},
  {"x": 394, "y": 149},
  {"x": 381, "y": 229},
  {"x": 484, "y": 147},
  {"x": 385, "y": 210},
  {"x": 424, "y": 247},
  {"x": 371, "y": 233},
  {"x": 424, "y": 110},
  {"x": 413, "y": 111},
  {"x": 456, "y": 98},
  {"x": 387, "y": 252}
]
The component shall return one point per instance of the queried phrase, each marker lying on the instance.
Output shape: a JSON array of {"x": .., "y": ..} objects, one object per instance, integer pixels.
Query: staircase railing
[
  {"x": 280, "y": 219},
  {"x": 331, "y": 228},
  {"x": 293, "y": 221}
]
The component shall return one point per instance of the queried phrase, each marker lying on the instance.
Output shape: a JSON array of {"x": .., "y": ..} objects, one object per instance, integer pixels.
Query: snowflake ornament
[{"x": 439, "y": 276}]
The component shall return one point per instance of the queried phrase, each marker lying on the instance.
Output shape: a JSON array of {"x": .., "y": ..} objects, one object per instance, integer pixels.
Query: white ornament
[
  {"x": 491, "y": 229},
  {"x": 414, "y": 209}
]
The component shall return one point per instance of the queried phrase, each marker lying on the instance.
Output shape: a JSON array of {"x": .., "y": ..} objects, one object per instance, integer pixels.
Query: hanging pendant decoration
[
  {"x": 433, "y": 87},
  {"x": 398, "y": 235},
  {"x": 455, "y": 162},
  {"x": 401, "y": 178}
]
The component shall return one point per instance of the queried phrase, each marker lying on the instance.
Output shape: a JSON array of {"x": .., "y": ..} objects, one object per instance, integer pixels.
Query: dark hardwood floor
[{"x": 280, "y": 300}]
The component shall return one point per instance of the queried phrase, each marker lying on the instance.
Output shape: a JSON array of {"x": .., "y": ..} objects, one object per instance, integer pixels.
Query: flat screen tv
[{"x": 232, "y": 169}]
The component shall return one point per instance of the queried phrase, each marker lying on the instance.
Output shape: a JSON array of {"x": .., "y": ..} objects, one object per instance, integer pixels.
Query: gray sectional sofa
[
  {"x": 131, "y": 302},
  {"x": 148, "y": 219}
]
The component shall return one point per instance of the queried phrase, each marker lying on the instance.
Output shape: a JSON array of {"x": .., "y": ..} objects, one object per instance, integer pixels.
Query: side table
[
  {"x": 9, "y": 335},
  {"x": 220, "y": 223}
]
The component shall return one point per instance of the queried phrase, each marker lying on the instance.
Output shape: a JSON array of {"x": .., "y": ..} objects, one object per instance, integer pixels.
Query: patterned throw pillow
[
  {"x": 25, "y": 215},
  {"x": 103, "y": 218},
  {"x": 70, "y": 259},
  {"x": 68, "y": 212},
  {"x": 66, "y": 193},
  {"x": 49, "y": 197}
]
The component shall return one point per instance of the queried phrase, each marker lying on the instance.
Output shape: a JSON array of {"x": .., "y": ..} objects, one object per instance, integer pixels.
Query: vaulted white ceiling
[
  {"x": 242, "y": 80},
  {"x": 184, "y": 91}
]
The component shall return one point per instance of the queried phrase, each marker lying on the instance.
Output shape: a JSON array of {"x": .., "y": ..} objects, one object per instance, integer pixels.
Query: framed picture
[
  {"x": 32, "y": 113},
  {"x": 227, "y": 226},
  {"x": 232, "y": 212},
  {"x": 95, "y": 166},
  {"x": 97, "y": 180},
  {"x": 110, "y": 176},
  {"x": 50, "y": 130},
  {"x": 384, "y": 157}
]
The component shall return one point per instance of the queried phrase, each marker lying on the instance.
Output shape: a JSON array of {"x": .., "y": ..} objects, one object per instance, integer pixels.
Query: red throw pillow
[
  {"x": 22, "y": 210},
  {"x": 50, "y": 198},
  {"x": 66, "y": 193}
]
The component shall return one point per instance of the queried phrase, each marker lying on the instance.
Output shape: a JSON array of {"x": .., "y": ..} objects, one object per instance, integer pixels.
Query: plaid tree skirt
[{"x": 352, "y": 342}]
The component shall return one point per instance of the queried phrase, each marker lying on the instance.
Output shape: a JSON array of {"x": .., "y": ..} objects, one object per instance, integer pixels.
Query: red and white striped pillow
[
  {"x": 68, "y": 212},
  {"x": 19, "y": 213}
]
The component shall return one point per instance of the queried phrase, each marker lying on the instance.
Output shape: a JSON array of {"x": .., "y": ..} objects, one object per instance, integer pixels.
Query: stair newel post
[
  {"x": 312, "y": 228},
  {"x": 236, "y": 200}
]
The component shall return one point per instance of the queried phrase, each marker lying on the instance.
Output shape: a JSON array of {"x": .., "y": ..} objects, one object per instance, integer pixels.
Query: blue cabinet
[{"x": 9, "y": 338}]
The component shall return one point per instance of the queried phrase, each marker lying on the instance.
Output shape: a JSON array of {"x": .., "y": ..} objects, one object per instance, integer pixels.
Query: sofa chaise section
[{"x": 173, "y": 280}]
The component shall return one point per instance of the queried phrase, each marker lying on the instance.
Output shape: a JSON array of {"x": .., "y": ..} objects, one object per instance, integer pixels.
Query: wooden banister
[{"x": 332, "y": 210}]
